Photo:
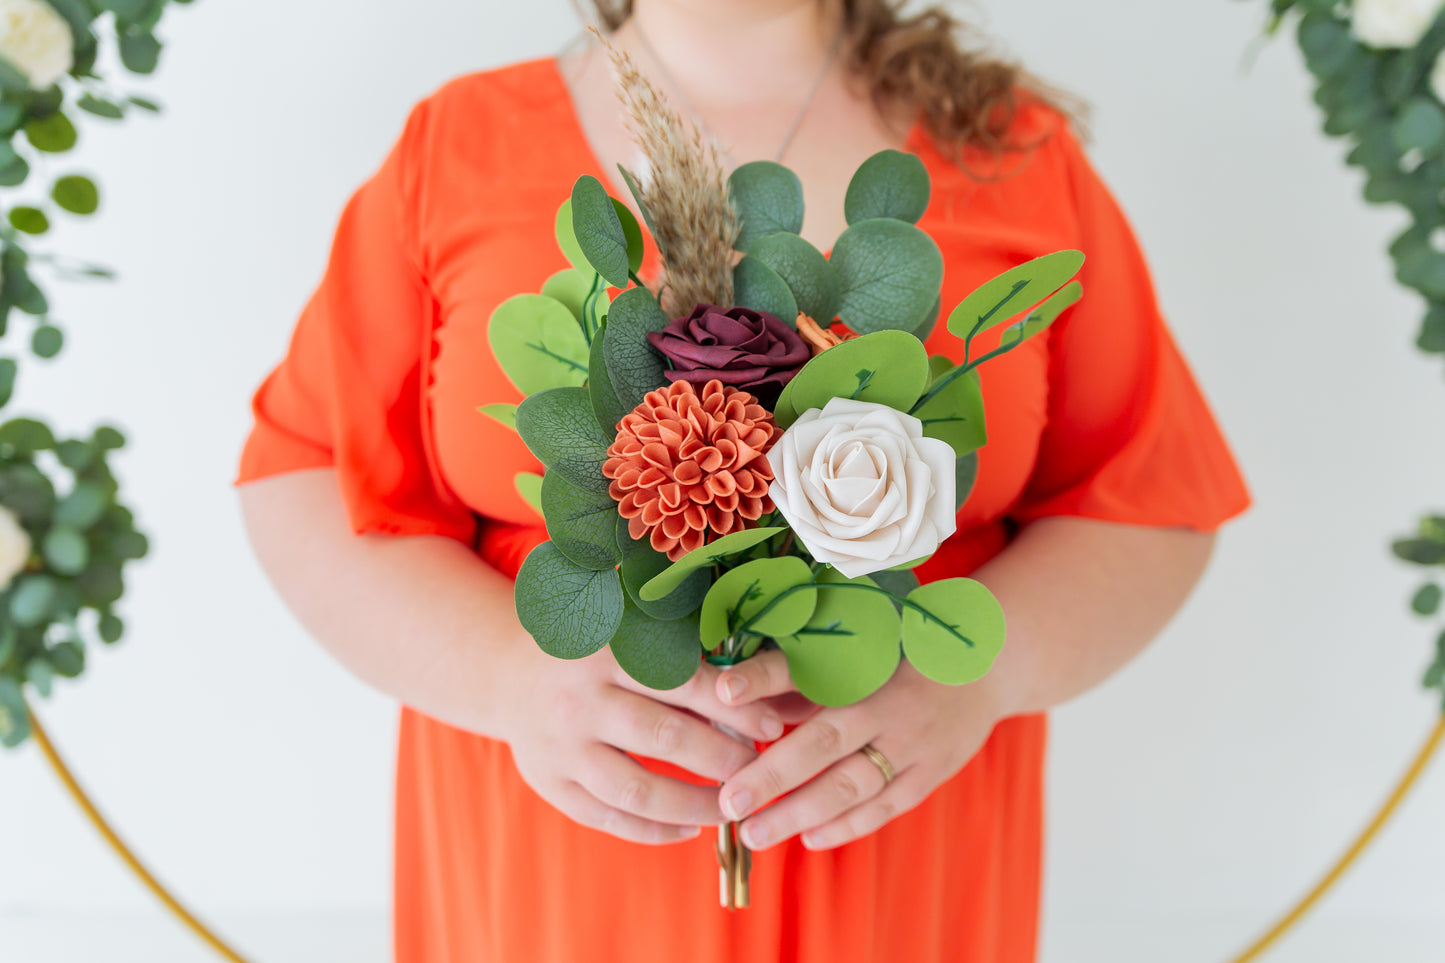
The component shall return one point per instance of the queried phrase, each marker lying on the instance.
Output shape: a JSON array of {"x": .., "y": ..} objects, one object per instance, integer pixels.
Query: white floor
[{"x": 362, "y": 938}]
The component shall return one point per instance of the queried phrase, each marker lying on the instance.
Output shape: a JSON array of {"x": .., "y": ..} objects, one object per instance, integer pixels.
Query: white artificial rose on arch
[
  {"x": 36, "y": 40},
  {"x": 1394, "y": 24}
]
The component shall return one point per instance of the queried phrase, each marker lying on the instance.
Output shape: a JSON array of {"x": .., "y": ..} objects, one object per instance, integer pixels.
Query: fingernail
[
  {"x": 738, "y": 804},
  {"x": 771, "y": 726},
  {"x": 810, "y": 841},
  {"x": 756, "y": 837},
  {"x": 688, "y": 832},
  {"x": 734, "y": 687}
]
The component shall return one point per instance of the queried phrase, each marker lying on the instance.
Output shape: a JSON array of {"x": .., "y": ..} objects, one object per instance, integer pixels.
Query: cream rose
[
  {"x": 36, "y": 40},
  {"x": 1387, "y": 24},
  {"x": 861, "y": 486},
  {"x": 14, "y": 547}
]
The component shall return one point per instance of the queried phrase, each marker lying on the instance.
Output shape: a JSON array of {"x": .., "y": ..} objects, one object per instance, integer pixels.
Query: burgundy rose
[{"x": 746, "y": 349}]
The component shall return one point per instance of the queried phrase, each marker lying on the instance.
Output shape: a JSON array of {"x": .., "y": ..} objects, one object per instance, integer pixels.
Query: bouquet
[{"x": 757, "y": 452}]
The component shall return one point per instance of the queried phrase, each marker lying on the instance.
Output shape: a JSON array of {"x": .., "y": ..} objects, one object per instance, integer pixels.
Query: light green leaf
[
  {"x": 633, "y": 366},
  {"x": 785, "y": 412},
  {"x": 890, "y": 273},
  {"x": 538, "y": 343},
  {"x": 1003, "y": 297},
  {"x": 567, "y": 242},
  {"x": 757, "y": 286},
  {"x": 606, "y": 406},
  {"x": 768, "y": 198},
  {"x": 504, "y": 414},
  {"x": 961, "y": 635},
  {"x": 888, "y": 184},
  {"x": 849, "y": 647},
  {"x": 1042, "y": 316},
  {"x": 662, "y": 585},
  {"x": 529, "y": 486},
  {"x": 807, "y": 273},
  {"x": 54, "y": 134},
  {"x": 582, "y": 524},
  {"x": 598, "y": 230},
  {"x": 83, "y": 507},
  {"x": 886, "y": 367},
  {"x": 660, "y": 655},
  {"x": 739, "y": 595},
  {"x": 30, "y": 220},
  {"x": 32, "y": 598},
  {"x": 641, "y": 564},
  {"x": 560, "y": 429},
  {"x": 955, "y": 414},
  {"x": 76, "y": 194},
  {"x": 571, "y": 612},
  {"x": 571, "y": 287}
]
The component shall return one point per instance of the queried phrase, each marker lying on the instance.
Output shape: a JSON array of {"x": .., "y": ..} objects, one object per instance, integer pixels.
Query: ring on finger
[{"x": 881, "y": 761}]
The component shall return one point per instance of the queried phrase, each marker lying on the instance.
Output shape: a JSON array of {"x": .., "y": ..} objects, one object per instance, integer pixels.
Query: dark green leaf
[
  {"x": 83, "y": 507},
  {"x": 605, "y": 404},
  {"x": 139, "y": 51},
  {"x": 145, "y": 103},
  {"x": 582, "y": 524},
  {"x": 1432, "y": 330},
  {"x": 66, "y": 551},
  {"x": 99, "y": 107},
  {"x": 109, "y": 438},
  {"x": 660, "y": 655},
  {"x": 598, "y": 231},
  {"x": 1326, "y": 43},
  {"x": 46, "y": 341},
  {"x": 110, "y": 629},
  {"x": 964, "y": 476},
  {"x": 1420, "y": 551},
  {"x": 633, "y": 366},
  {"x": 560, "y": 429},
  {"x": 101, "y": 585},
  {"x": 14, "y": 173},
  {"x": 8, "y": 370},
  {"x": 807, "y": 273},
  {"x": 890, "y": 273},
  {"x": 632, "y": 232},
  {"x": 571, "y": 612},
  {"x": 1420, "y": 126},
  {"x": 1427, "y": 599},
  {"x": 768, "y": 198},
  {"x": 76, "y": 194},
  {"x": 40, "y": 676},
  {"x": 14, "y": 718},
  {"x": 32, "y": 598},
  {"x": 888, "y": 184},
  {"x": 641, "y": 564},
  {"x": 757, "y": 286},
  {"x": 67, "y": 658},
  {"x": 26, "y": 435}
]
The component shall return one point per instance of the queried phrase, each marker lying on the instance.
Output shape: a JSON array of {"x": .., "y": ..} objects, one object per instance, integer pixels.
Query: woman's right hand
[{"x": 572, "y": 724}]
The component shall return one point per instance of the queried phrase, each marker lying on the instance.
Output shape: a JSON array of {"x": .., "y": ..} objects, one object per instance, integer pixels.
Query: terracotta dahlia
[{"x": 690, "y": 465}]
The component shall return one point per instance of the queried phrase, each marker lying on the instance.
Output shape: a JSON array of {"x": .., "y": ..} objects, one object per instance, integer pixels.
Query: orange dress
[{"x": 1100, "y": 418}]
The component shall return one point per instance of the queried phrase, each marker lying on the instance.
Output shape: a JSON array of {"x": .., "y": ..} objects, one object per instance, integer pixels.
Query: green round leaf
[
  {"x": 129, "y": 545},
  {"x": 1041, "y": 317},
  {"x": 46, "y": 341},
  {"x": 886, "y": 367},
  {"x": 661, "y": 655},
  {"x": 14, "y": 173},
  {"x": 571, "y": 612},
  {"x": 955, "y": 414},
  {"x": 674, "y": 575},
  {"x": 890, "y": 273},
  {"x": 30, "y": 220},
  {"x": 54, "y": 134},
  {"x": 1003, "y": 297},
  {"x": 598, "y": 230},
  {"x": 503, "y": 414},
  {"x": 67, "y": 658},
  {"x": 1420, "y": 126},
  {"x": 765, "y": 595},
  {"x": 632, "y": 232},
  {"x": 140, "y": 51},
  {"x": 8, "y": 370},
  {"x": 849, "y": 647},
  {"x": 768, "y": 198},
  {"x": 66, "y": 551},
  {"x": 757, "y": 286},
  {"x": 582, "y": 524},
  {"x": 888, "y": 184},
  {"x": 961, "y": 634},
  {"x": 1427, "y": 599},
  {"x": 641, "y": 564},
  {"x": 109, "y": 438},
  {"x": 538, "y": 343},
  {"x": 83, "y": 507},
  {"x": 605, "y": 403},
  {"x": 40, "y": 675},
  {"x": 572, "y": 288},
  {"x": 100, "y": 107},
  {"x": 26, "y": 435},
  {"x": 110, "y": 629},
  {"x": 32, "y": 599},
  {"x": 560, "y": 429},
  {"x": 76, "y": 194},
  {"x": 806, "y": 272},
  {"x": 633, "y": 366}
]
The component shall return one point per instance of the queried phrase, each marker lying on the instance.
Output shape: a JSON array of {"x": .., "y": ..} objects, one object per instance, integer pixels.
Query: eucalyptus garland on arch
[{"x": 65, "y": 535}]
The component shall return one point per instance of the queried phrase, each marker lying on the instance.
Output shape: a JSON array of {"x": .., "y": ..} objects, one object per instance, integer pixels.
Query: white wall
[{"x": 1190, "y": 796}]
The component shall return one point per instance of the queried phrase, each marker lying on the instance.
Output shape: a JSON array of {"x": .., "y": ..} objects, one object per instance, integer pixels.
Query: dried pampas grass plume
[{"x": 685, "y": 191}]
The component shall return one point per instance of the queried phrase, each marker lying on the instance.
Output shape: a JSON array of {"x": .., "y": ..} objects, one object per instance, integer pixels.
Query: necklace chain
[{"x": 697, "y": 118}]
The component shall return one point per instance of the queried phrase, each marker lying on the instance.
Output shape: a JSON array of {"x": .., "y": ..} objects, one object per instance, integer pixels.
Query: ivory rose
[
  {"x": 14, "y": 547},
  {"x": 1391, "y": 24},
  {"x": 36, "y": 40},
  {"x": 861, "y": 486}
]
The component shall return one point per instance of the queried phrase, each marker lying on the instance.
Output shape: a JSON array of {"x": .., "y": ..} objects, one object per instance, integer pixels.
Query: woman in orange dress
[{"x": 549, "y": 811}]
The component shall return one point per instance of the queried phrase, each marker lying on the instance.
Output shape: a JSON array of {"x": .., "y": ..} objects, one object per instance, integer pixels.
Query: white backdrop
[{"x": 1191, "y": 796}]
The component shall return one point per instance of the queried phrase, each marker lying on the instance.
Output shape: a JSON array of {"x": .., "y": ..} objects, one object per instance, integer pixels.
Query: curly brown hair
[{"x": 930, "y": 64}]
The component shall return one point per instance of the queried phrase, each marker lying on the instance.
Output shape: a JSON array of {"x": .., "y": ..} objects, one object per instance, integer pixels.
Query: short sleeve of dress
[
  {"x": 1130, "y": 437},
  {"x": 349, "y": 393}
]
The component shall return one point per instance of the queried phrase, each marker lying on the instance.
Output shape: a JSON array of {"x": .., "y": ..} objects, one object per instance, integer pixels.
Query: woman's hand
[
  {"x": 571, "y": 725},
  {"x": 927, "y": 731}
]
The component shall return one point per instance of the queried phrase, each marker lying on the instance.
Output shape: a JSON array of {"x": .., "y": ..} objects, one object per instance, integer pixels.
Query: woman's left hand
[{"x": 926, "y": 730}]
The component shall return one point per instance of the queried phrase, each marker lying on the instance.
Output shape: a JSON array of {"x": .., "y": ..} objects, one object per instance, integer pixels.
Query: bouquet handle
[{"x": 734, "y": 859}]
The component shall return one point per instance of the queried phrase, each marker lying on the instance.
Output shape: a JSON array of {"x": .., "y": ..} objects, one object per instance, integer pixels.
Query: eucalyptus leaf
[
  {"x": 140, "y": 51},
  {"x": 757, "y": 286},
  {"x": 567, "y": 242},
  {"x": 538, "y": 343},
  {"x": 807, "y": 273},
  {"x": 890, "y": 273},
  {"x": 955, "y": 414},
  {"x": 849, "y": 646},
  {"x": 54, "y": 134},
  {"x": 1003, "y": 297},
  {"x": 898, "y": 581},
  {"x": 8, "y": 371},
  {"x": 76, "y": 194},
  {"x": 1041, "y": 317},
  {"x": 632, "y": 232},
  {"x": 886, "y": 367},
  {"x": 606, "y": 406},
  {"x": 1420, "y": 126},
  {"x": 503, "y": 414},
  {"x": 660, "y": 655},
  {"x": 965, "y": 476},
  {"x": 633, "y": 366},
  {"x": 560, "y": 429},
  {"x": 1426, "y": 600},
  {"x": 29, "y": 220},
  {"x": 14, "y": 719},
  {"x": 768, "y": 596},
  {"x": 582, "y": 524},
  {"x": 46, "y": 341},
  {"x": 678, "y": 572},
  {"x": 888, "y": 184},
  {"x": 641, "y": 563},
  {"x": 66, "y": 550},
  {"x": 529, "y": 487},
  {"x": 598, "y": 231},
  {"x": 958, "y": 632},
  {"x": 571, "y": 612},
  {"x": 32, "y": 598},
  {"x": 572, "y": 288},
  {"x": 67, "y": 658},
  {"x": 83, "y": 507},
  {"x": 768, "y": 198}
]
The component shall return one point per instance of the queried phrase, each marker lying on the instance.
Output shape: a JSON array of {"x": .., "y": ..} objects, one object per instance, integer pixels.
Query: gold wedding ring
[{"x": 881, "y": 761}]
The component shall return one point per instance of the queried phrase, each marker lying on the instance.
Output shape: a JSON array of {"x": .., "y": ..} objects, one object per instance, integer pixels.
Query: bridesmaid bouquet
[{"x": 758, "y": 452}]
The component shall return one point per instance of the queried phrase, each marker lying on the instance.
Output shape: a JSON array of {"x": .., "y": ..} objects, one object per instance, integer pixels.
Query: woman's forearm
[
  {"x": 1081, "y": 598},
  {"x": 421, "y": 618}
]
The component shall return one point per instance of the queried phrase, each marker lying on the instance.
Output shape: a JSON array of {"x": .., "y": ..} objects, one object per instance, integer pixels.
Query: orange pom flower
[{"x": 691, "y": 465}]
